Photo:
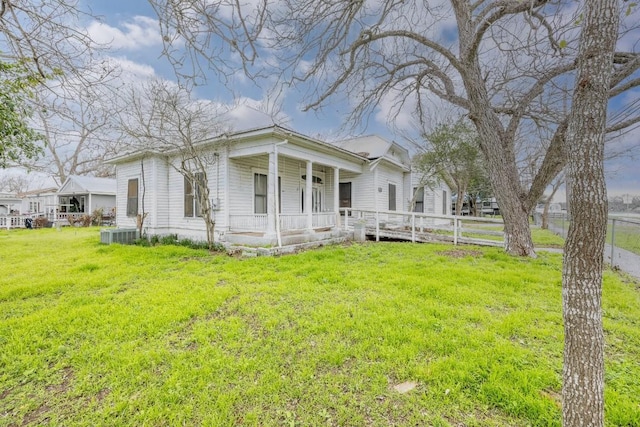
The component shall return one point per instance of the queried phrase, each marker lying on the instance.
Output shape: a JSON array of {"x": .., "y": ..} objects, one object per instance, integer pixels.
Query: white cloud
[
  {"x": 132, "y": 70},
  {"x": 142, "y": 32}
]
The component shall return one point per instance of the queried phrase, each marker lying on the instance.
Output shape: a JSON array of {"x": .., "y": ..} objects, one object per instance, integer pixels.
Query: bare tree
[
  {"x": 45, "y": 39},
  {"x": 76, "y": 121},
  {"x": 503, "y": 63},
  {"x": 44, "y": 36},
  {"x": 14, "y": 183},
  {"x": 161, "y": 117},
  {"x": 583, "y": 369}
]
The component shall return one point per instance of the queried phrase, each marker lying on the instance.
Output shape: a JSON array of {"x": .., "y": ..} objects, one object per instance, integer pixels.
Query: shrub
[{"x": 96, "y": 216}]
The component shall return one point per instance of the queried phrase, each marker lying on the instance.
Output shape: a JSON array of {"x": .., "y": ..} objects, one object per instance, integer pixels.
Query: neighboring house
[
  {"x": 9, "y": 203},
  {"x": 269, "y": 185},
  {"x": 41, "y": 202},
  {"x": 9, "y": 211},
  {"x": 82, "y": 195}
]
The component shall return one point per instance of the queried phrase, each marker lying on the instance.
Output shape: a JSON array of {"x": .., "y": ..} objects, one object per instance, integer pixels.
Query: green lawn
[{"x": 128, "y": 335}]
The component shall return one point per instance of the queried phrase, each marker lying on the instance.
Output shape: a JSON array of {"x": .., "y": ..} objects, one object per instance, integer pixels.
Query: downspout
[{"x": 374, "y": 169}]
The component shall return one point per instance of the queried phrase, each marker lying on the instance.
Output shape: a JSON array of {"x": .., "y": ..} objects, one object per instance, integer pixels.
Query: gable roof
[
  {"x": 88, "y": 184},
  {"x": 9, "y": 199},
  {"x": 39, "y": 192},
  {"x": 375, "y": 147},
  {"x": 369, "y": 146}
]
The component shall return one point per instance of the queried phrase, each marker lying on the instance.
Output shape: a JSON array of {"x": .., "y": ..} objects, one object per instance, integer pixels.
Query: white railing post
[
  {"x": 413, "y": 227},
  {"x": 377, "y": 226},
  {"x": 455, "y": 230},
  {"x": 346, "y": 220}
]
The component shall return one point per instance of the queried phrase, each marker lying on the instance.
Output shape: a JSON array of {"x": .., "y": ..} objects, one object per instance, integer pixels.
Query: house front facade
[{"x": 268, "y": 186}]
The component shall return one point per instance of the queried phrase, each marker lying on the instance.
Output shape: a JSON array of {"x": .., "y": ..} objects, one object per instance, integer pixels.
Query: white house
[
  {"x": 82, "y": 195},
  {"x": 40, "y": 202},
  {"x": 267, "y": 184},
  {"x": 9, "y": 203},
  {"x": 9, "y": 211}
]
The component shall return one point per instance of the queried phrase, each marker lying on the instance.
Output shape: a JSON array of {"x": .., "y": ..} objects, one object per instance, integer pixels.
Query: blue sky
[{"x": 131, "y": 28}]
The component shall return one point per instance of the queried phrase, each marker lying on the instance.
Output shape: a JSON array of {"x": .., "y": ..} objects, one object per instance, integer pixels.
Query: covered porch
[{"x": 283, "y": 194}]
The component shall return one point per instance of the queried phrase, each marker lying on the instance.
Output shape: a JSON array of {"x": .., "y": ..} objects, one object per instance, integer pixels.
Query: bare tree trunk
[
  {"x": 207, "y": 215},
  {"x": 583, "y": 372}
]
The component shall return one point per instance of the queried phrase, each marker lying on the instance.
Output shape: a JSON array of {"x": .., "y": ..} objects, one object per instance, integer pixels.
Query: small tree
[
  {"x": 451, "y": 153},
  {"x": 162, "y": 117},
  {"x": 19, "y": 140}
]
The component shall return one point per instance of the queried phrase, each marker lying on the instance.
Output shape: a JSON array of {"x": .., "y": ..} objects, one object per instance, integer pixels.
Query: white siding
[
  {"x": 290, "y": 172},
  {"x": 362, "y": 189},
  {"x": 433, "y": 197},
  {"x": 389, "y": 175},
  {"x": 102, "y": 202},
  {"x": 125, "y": 172}
]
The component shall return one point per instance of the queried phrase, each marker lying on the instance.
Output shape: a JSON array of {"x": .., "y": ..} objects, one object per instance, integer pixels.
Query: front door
[{"x": 317, "y": 192}]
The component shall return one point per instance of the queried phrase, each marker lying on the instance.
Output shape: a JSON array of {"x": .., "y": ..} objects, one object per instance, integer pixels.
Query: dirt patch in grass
[
  {"x": 35, "y": 415},
  {"x": 5, "y": 393},
  {"x": 461, "y": 253},
  {"x": 102, "y": 394},
  {"x": 65, "y": 385}
]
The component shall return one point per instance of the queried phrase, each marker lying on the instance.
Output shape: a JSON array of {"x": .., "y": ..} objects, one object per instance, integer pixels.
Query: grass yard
[{"x": 129, "y": 336}]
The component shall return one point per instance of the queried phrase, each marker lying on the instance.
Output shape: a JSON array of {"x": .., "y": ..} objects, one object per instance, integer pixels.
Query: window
[
  {"x": 419, "y": 199},
  {"x": 445, "y": 202},
  {"x": 192, "y": 190},
  {"x": 260, "y": 193},
  {"x": 132, "y": 197},
  {"x": 392, "y": 197},
  {"x": 345, "y": 195}
]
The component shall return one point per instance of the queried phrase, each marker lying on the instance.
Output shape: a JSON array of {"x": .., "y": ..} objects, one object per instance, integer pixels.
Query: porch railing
[
  {"x": 258, "y": 222},
  {"x": 324, "y": 219},
  {"x": 13, "y": 221},
  {"x": 252, "y": 222},
  {"x": 293, "y": 222},
  {"x": 18, "y": 221}
]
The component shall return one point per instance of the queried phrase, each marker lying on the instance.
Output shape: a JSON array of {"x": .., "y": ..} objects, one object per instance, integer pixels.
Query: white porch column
[
  {"x": 308, "y": 196},
  {"x": 336, "y": 195},
  {"x": 272, "y": 180}
]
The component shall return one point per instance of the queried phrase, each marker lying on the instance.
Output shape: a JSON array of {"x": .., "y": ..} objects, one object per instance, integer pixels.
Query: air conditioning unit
[{"x": 119, "y": 235}]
